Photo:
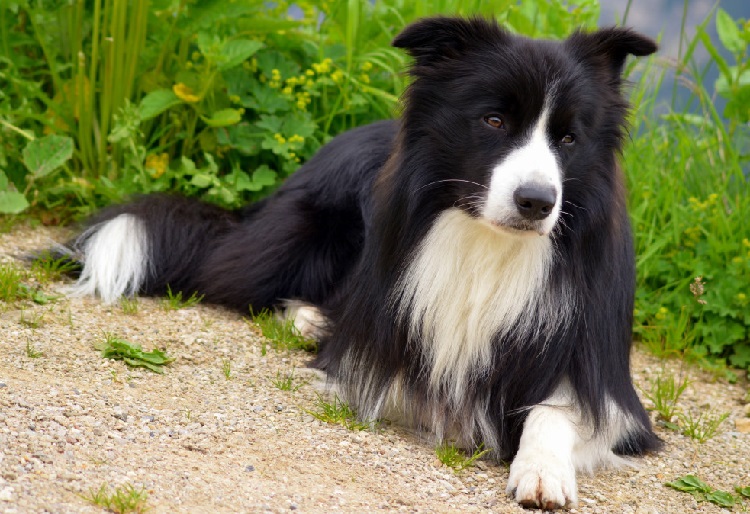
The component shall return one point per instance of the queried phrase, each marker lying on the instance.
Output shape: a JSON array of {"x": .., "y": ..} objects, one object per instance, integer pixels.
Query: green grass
[
  {"x": 457, "y": 459},
  {"x": 702, "y": 427},
  {"x": 32, "y": 352},
  {"x": 689, "y": 205},
  {"x": 338, "y": 412},
  {"x": 11, "y": 287},
  {"x": 125, "y": 499},
  {"x": 285, "y": 382},
  {"x": 226, "y": 368},
  {"x": 33, "y": 320},
  {"x": 281, "y": 333},
  {"x": 47, "y": 268},
  {"x": 133, "y": 355},
  {"x": 129, "y": 305},
  {"x": 174, "y": 301},
  {"x": 664, "y": 393}
]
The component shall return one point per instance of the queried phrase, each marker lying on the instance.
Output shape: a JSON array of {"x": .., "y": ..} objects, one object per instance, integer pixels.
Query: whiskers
[
  {"x": 453, "y": 180},
  {"x": 473, "y": 201}
]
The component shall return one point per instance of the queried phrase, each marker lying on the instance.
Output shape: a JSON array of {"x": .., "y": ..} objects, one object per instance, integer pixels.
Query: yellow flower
[
  {"x": 365, "y": 78},
  {"x": 287, "y": 91},
  {"x": 323, "y": 67},
  {"x": 278, "y": 137},
  {"x": 309, "y": 73},
  {"x": 337, "y": 76},
  {"x": 157, "y": 164},
  {"x": 366, "y": 66},
  {"x": 296, "y": 138},
  {"x": 184, "y": 93}
]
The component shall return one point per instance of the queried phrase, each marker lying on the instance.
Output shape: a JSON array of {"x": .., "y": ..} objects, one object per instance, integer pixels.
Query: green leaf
[
  {"x": 721, "y": 498},
  {"x": 133, "y": 355},
  {"x": 223, "y": 118},
  {"x": 45, "y": 155},
  {"x": 236, "y": 51},
  {"x": 202, "y": 180},
  {"x": 12, "y": 202},
  {"x": 156, "y": 102},
  {"x": 689, "y": 483},
  {"x": 728, "y": 32},
  {"x": 744, "y": 491}
]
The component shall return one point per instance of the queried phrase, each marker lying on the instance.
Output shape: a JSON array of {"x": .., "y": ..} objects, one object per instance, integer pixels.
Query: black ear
[
  {"x": 610, "y": 47},
  {"x": 432, "y": 39}
]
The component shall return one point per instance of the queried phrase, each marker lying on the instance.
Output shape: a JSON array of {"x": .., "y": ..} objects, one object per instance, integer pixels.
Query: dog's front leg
[{"x": 543, "y": 472}]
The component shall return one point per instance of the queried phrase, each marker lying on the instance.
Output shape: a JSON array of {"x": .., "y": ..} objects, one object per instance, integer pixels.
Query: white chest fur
[{"x": 468, "y": 283}]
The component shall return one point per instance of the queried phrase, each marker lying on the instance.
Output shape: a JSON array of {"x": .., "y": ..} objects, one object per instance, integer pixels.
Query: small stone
[
  {"x": 3, "y": 384},
  {"x": 742, "y": 425},
  {"x": 249, "y": 468},
  {"x": 293, "y": 506},
  {"x": 6, "y": 494}
]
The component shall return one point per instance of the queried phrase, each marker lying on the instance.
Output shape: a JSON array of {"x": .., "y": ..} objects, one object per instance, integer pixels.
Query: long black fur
[{"x": 339, "y": 233}]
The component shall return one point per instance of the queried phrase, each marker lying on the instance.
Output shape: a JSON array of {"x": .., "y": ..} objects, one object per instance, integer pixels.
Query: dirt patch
[{"x": 198, "y": 441}]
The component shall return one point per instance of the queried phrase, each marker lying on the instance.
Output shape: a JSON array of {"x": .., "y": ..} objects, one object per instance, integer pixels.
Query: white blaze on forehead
[{"x": 534, "y": 162}]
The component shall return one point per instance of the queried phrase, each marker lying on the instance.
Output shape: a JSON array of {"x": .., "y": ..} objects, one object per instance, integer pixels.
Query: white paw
[
  {"x": 308, "y": 320},
  {"x": 543, "y": 481}
]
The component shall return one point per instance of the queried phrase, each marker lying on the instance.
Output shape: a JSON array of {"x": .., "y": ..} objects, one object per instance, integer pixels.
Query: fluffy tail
[{"x": 145, "y": 246}]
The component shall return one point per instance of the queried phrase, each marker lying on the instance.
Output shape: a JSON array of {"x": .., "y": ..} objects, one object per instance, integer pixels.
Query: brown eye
[
  {"x": 494, "y": 121},
  {"x": 568, "y": 139}
]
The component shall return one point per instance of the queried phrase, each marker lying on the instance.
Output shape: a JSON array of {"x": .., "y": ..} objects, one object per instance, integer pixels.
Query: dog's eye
[
  {"x": 494, "y": 121},
  {"x": 568, "y": 139}
]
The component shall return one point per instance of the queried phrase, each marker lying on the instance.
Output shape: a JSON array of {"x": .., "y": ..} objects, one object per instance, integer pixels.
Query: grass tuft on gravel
[
  {"x": 282, "y": 333},
  {"x": 125, "y": 499},
  {"x": 174, "y": 301},
  {"x": 338, "y": 412},
  {"x": 456, "y": 459}
]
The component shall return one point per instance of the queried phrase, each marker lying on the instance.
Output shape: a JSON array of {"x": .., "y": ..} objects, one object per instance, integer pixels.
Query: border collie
[{"x": 468, "y": 268}]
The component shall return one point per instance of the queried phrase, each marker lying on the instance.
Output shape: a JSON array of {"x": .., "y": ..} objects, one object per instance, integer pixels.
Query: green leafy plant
[
  {"x": 174, "y": 301},
  {"x": 702, "y": 491},
  {"x": 124, "y": 499},
  {"x": 338, "y": 412},
  {"x": 688, "y": 203},
  {"x": 133, "y": 355},
  {"x": 282, "y": 333},
  {"x": 226, "y": 368},
  {"x": 664, "y": 393},
  {"x": 457, "y": 459}
]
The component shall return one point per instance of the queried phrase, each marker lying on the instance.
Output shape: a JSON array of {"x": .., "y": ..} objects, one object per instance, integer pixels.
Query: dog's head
[{"x": 515, "y": 131}]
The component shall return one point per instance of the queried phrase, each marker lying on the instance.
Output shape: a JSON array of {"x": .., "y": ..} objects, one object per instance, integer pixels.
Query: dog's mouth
[{"x": 521, "y": 228}]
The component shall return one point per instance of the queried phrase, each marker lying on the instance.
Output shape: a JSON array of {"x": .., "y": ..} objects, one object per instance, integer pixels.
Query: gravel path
[{"x": 197, "y": 441}]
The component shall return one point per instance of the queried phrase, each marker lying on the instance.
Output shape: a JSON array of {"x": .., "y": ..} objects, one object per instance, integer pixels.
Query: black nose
[{"x": 535, "y": 202}]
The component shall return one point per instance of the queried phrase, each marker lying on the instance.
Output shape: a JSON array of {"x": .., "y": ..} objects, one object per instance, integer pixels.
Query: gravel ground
[{"x": 197, "y": 441}]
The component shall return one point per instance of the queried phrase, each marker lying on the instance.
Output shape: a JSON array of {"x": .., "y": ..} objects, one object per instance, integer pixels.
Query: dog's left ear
[
  {"x": 431, "y": 40},
  {"x": 610, "y": 47}
]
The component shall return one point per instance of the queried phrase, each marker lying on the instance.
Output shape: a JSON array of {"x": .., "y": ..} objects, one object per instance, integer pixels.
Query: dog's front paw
[{"x": 543, "y": 481}]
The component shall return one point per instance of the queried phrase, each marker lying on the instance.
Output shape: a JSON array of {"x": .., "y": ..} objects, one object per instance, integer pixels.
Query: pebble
[{"x": 742, "y": 425}]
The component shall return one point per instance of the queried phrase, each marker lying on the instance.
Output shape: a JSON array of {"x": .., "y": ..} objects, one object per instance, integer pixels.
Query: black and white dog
[{"x": 468, "y": 268}]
